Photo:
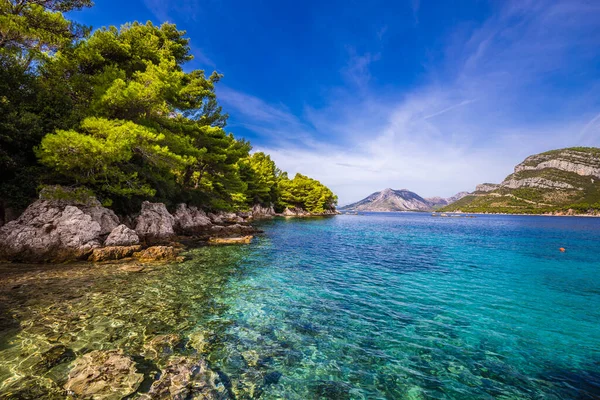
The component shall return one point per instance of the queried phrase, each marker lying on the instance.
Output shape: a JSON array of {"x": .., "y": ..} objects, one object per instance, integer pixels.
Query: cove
[{"x": 377, "y": 306}]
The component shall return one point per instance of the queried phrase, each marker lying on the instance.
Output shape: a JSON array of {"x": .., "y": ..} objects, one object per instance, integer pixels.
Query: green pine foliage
[{"x": 115, "y": 112}]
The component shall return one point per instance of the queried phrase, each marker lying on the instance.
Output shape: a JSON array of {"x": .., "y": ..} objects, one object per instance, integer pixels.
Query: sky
[{"x": 432, "y": 96}]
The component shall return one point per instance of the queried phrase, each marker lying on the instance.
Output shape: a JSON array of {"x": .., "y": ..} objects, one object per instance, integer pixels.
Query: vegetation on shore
[{"x": 115, "y": 113}]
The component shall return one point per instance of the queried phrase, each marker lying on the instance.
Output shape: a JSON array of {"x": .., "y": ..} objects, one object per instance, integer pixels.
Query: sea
[{"x": 369, "y": 306}]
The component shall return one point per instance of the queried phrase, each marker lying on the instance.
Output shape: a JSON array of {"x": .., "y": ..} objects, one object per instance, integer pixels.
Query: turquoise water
[
  {"x": 379, "y": 306},
  {"x": 409, "y": 306}
]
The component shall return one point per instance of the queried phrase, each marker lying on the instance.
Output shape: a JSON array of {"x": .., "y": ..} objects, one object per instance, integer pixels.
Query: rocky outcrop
[
  {"x": 155, "y": 223},
  {"x": 295, "y": 212},
  {"x": 487, "y": 187},
  {"x": 584, "y": 162},
  {"x": 50, "y": 231},
  {"x": 112, "y": 253},
  {"x": 58, "y": 231},
  {"x": 536, "y": 182},
  {"x": 259, "y": 212},
  {"x": 190, "y": 220},
  {"x": 122, "y": 236},
  {"x": 105, "y": 217},
  {"x": 103, "y": 375}
]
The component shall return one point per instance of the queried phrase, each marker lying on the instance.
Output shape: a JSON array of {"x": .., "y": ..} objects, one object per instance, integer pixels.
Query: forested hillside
[{"x": 113, "y": 112}]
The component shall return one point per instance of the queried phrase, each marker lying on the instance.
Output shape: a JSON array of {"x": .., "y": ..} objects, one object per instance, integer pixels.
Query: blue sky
[{"x": 433, "y": 96}]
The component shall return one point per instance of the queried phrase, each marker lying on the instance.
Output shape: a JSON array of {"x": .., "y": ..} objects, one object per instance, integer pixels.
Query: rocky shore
[{"x": 56, "y": 231}]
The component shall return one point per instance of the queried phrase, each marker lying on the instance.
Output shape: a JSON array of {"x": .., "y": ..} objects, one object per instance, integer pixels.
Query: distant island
[
  {"x": 557, "y": 182},
  {"x": 401, "y": 200}
]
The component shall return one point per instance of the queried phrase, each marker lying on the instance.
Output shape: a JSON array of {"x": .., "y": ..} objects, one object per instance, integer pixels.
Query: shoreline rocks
[
  {"x": 57, "y": 231},
  {"x": 155, "y": 223},
  {"x": 49, "y": 231}
]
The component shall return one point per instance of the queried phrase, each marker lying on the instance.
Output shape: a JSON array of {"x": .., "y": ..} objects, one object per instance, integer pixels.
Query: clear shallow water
[{"x": 396, "y": 306}]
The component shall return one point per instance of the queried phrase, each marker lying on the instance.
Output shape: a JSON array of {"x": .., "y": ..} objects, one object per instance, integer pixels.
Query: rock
[
  {"x": 216, "y": 218},
  {"x": 236, "y": 229},
  {"x": 236, "y": 240},
  {"x": 186, "y": 378},
  {"x": 161, "y": 345},
  {"x": 103, "y": 375},
  {"x": 333, "y": 390},
  {"x": 295, "y": 212},
  {"x": 131, "y": 268},
  {"x": 105, "y": 217},
  {"x": 54, "y": 356},
  {"x": 159, "y": 253},
  {"x": 259, "y": 211},
  {"x": 272, "y": 378},
  {"x": 122, "y": 236},
  {"x": 48, "y": 231},
  {"x": 197, "y": 340},
  {"x": 190, "y": 220},
  {"x": 155, "y": 223},
  {"x": 113, "y": 253},
  {"x": 487, "y": 187}
]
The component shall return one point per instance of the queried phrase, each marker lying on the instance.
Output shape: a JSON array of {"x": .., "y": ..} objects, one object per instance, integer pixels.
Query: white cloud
[{"x": 490, "y": 104}]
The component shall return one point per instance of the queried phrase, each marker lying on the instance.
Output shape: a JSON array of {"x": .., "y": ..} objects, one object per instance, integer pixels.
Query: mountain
[
  {"x": 400, "y": 200},
  {"x": 557, "y": 181}
]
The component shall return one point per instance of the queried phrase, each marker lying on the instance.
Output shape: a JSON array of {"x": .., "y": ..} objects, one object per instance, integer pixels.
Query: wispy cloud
[
  {"x": 510, "y": 87},
  {"x": 169, "y": 10},
  {"x": 357, "y": 70}
]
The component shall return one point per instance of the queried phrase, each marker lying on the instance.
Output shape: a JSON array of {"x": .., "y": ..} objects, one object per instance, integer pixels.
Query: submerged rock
[
  {"x": 190, "y": 220},
  {"x": 159, "y": 253},
  {"x": 186, "y": 378},
  {"x": 54, "y": 356},
  {"x": 103, "y": 375},
  {"x": 49, "y": 231},
  {"x": 113, "y": 253},
  {"x": 161, "y": 345},
  {"x": 155, "y": 223},
  {"x": 122, "y": 236}
]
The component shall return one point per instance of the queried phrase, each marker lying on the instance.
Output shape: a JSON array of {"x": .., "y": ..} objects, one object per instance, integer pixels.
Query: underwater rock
[
  {"x": 49, "y": 231},
  {"x": 186, "y": 378},
  {"x": 103, "y": 375},
  {"x": 190, "y": 220},
  {"x": 113, "y": 253},
  {"x": 54, "y": 356},
  {"x": 131, "y": 268},
  {"x": 159, "y": 253},
  {"x": 332, "y": 390},
  {"x": 155, "y": 223},
  {"x": 197, "y": 340},
  {"x": 161, "y": 345},
  {"x": 272, "y": 378},
  {"x": 122, "y": 236}
]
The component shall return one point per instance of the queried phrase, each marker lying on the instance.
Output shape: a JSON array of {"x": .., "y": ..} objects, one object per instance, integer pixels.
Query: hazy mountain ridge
[
  {"x": 400, "y": 200},
  {"x": 564, "y": 180}
]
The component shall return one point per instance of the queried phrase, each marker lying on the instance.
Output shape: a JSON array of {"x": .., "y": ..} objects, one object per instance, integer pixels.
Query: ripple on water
[{"x": 381, "y": 306}]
